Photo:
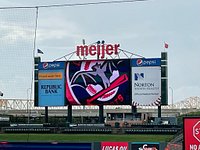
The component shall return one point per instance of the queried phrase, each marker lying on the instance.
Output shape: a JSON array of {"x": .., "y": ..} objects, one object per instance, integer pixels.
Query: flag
[
  {"x": 40, "y": 51},
  {"x": 166, "y": 45}
]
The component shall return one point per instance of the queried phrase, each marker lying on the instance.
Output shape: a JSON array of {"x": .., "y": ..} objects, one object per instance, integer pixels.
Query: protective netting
[{"x": 17, "y": 27}]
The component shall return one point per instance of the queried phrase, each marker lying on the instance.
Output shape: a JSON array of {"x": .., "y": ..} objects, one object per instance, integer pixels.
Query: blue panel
[
  {"x": 51, "y": 65},
  {"x": 144, "y": 62},
  {"x": 45, "y": 146},
  {"x": 51, "y": 92}
]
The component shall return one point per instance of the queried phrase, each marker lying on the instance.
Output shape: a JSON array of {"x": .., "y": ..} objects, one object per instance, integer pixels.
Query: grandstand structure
[{"x": 22, "y": 106}]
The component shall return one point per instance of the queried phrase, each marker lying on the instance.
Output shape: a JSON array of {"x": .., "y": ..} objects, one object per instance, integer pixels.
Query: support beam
[
  {"x": 101, "y": 114},
  {"x": 69, "y": 114},
  {"x": 46, "y": 114},
  {"x": 134, "y": 109},
  {"x": 159, "y": 111}
]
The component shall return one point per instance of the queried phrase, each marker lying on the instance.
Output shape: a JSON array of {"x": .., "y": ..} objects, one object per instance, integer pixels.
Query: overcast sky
[{"x": 139, "y": 27}]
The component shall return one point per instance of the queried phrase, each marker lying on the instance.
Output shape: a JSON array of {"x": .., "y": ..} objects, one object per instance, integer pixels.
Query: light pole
[
  {"x": 28, "y": 101},
  {"x": 172, "y": 97}
]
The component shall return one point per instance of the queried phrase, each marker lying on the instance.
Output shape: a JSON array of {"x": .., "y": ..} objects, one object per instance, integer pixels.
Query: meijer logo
[{"x": 100, "y": 50}]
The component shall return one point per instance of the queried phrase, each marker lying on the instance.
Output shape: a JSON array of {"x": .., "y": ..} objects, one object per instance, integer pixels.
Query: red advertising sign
[
  {"x": 114, "y": 145},
  {"x": 192, "y": 133}
]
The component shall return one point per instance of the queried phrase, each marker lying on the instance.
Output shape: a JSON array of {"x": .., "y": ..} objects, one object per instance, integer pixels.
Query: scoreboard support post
[
  {"x": 164, "y": 81},
  {"x": 101, "y": 114},
  {"x": 46, "y": 114},
  {"x": 159, "y": 111},
  {"x": 69, "y": 114},
  {"x": 134, "y": 109}
]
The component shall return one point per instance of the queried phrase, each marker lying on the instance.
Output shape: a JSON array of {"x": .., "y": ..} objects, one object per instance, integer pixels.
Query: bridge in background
[{"x": 24, "y": 107}]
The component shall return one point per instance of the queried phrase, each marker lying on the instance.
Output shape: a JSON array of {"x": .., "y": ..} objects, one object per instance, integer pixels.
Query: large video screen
[
  {"x": 98, "y": 82},
  {"x": 146, "y": 81}
]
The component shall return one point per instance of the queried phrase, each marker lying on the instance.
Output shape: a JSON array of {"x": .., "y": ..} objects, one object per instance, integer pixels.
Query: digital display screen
[{"x": 98, "y": 82}]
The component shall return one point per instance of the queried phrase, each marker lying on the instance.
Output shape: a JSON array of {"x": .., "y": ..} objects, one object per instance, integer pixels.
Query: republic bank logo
[{"x": 138, "y": 76}]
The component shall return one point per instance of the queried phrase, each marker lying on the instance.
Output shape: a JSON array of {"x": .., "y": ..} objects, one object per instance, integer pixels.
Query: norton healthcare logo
[{"x": 139, "y": 76}]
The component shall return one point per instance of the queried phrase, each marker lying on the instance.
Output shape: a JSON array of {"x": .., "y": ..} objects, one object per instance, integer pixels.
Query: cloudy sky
[{"x": 139, "y": 27}]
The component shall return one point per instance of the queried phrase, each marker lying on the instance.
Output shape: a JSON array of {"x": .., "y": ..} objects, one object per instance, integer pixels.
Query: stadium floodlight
[{"x": 1, "y": 93}]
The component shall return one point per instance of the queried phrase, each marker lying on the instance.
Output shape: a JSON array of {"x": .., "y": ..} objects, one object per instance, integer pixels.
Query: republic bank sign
[{"x": 100, "y": 50}]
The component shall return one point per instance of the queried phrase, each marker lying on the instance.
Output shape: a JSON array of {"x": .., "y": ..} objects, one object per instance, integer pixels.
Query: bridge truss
[{"x": 24, "y": 104}]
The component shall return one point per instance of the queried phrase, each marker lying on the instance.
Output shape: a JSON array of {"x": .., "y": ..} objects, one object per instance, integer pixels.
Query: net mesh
[{"x": 17, "y": 28}]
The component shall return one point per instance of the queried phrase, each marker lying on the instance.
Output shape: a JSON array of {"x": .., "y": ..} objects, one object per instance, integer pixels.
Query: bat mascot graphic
[{"x": 97, "y": 82}]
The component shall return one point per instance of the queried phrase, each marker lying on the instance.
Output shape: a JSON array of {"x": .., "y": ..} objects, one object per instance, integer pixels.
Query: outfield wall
[{"x": 105, "y": 145}]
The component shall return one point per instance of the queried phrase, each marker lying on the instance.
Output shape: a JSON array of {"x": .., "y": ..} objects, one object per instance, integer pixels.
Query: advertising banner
[
  {"x": 146, "y": 82},
  {"x": 145, "y": 146},
  {"x": 145, "y": 62},
  {"x": 44, "y": 146},
  {"x": 51, "y": 87},
  {"x": 114, "y": 145},
  {"x": 98, "y": 82},
  {"x": 191, "y": 133}
]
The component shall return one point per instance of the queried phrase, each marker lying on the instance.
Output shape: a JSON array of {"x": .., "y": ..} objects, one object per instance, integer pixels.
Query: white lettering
[
  {"x": 197, "y": 131},
  {"x": 145, "y": 147},
  {"x": 193, "y": 147},
  {"x": 114, "y": 148},
  {"x": 149, "y": 62}
]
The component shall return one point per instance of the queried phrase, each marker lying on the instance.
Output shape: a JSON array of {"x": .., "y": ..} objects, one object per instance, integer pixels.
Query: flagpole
[{"x": 164, "y": 47}]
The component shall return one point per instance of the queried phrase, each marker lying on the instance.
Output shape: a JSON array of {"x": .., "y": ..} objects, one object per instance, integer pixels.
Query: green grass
[{"x": 83, "y": 138}]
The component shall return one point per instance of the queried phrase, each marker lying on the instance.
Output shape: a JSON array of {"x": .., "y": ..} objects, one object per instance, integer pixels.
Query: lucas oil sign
[
  {"x": 114, "y": 145},
  {"x": 192, "y": 133}
]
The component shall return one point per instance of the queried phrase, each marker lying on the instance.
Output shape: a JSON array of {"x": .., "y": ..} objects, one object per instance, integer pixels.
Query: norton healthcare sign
[
  {"x": 191, "y": 133},
  {"x": 146, "y": 81}
]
